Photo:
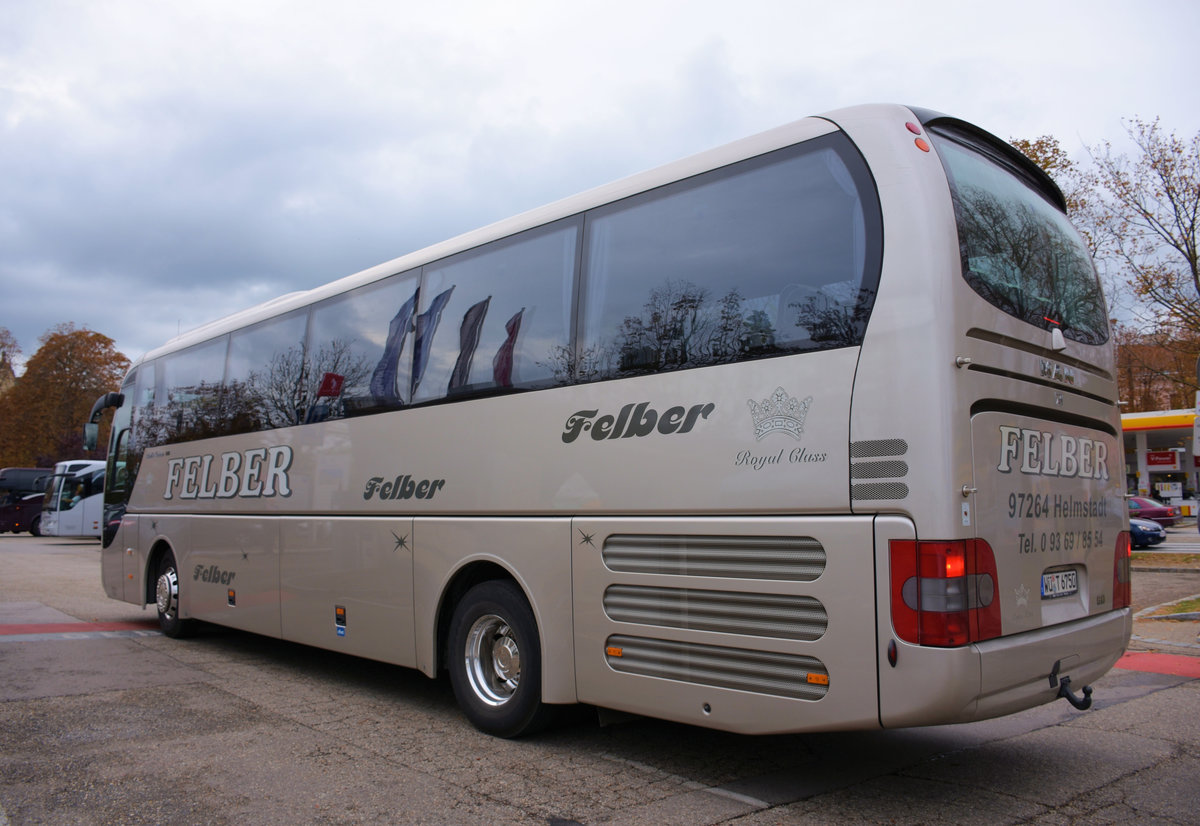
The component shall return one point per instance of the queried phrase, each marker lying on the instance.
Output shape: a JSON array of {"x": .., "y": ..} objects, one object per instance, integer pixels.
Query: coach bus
[
  {"x": 813, "y": 431},
  {"x": 74, "y": 501}
]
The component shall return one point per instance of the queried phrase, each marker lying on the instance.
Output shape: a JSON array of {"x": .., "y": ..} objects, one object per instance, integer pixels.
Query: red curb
[
  {"x": 76, "y": 627},
  {"x": 1176, "y": 665}
]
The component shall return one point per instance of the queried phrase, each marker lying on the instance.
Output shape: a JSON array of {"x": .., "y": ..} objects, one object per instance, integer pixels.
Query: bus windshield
[{"x": 1018, "y": 250}]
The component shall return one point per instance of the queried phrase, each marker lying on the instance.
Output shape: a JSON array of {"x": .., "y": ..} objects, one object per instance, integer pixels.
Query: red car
[{"x": 1143, "y": 508}]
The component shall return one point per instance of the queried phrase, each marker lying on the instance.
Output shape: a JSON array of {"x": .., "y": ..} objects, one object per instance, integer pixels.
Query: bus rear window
[{"x": 1019, "y": 251}]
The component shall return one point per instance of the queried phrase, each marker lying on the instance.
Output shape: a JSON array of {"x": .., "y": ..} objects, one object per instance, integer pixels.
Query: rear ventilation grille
[
  {"x": 882, "y": 463},
  {"x": 760, "y": 672},
  {"x": 792, "y": 558},
  {"x": 764, "y": 615}
]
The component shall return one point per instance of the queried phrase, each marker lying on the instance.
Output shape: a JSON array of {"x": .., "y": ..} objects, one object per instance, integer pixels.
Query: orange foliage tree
[{"x": 42, "y": 414}]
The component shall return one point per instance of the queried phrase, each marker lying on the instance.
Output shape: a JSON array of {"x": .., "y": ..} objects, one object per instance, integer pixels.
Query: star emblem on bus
[{"x": 401, "y": 542}]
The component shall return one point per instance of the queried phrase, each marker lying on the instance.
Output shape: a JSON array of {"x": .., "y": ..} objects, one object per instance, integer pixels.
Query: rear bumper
[{"x": 1015, "y": 671}]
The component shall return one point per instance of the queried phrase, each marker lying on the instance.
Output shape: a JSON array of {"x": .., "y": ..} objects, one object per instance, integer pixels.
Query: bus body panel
[
  {"x": 346, "y": 584},
  {"x": 1048, "y": 501},
  {"x": 919, "y": 685},
  {"x": 754, "y": 625},
  {"x": 534, "y": 551},
  {"x": 230, "y": 572},
  {"x": 1024, "y": 670},
  {"x": 560, "y": 451},
  {"x": 117, "y": 558}
]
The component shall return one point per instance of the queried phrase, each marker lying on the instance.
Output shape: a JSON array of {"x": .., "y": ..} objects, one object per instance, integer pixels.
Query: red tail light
[
  {"x": 1122, "y": 583},
  {"x": 944, "y": 593}
]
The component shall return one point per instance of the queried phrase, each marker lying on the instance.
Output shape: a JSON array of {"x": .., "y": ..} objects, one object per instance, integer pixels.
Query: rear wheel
[
  {"x": 496, "y": 661},
  {"x": 166, "y": 595}
]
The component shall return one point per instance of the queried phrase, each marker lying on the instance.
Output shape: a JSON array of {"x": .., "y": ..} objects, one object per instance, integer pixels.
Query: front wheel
[
  {"x": 166, "y": 595},
  {"x": 35, "y": 527},
  {"x": 496, "y": 661}
]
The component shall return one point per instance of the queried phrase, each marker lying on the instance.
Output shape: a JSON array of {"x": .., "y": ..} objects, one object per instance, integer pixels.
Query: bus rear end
[{"x": 1003, "y": 571}]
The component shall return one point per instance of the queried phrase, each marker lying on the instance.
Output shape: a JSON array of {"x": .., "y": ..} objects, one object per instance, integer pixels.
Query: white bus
[
  {"x": 74, "y": 502},
  {"x": 817, "y": 430}
]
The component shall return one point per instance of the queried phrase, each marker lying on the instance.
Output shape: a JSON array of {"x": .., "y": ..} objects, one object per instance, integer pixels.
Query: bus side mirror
[{"x": 91, "y": 428}]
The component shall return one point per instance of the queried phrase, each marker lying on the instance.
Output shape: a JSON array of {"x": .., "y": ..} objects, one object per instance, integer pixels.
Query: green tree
[{"x": 42, "y": 416}]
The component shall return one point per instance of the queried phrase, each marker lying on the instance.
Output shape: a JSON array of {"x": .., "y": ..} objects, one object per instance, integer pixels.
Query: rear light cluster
[
  {"x": 1122, "y": 592},
  {"x": 944, "y": 592}
]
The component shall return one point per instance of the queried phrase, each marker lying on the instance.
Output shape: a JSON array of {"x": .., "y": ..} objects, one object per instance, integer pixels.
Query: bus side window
[
  {"x": 497, "y": 317},
  {"x": 362, "y": 343},
  {"x": 774, "y": 255}
]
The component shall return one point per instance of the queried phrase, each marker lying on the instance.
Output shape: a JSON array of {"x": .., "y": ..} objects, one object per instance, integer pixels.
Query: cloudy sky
[{"x": 166, "y": 163}]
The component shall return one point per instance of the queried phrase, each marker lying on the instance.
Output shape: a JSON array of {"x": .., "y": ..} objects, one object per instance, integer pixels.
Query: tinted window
[
  {"x": 1019, "y": 251},
  {"x": 361, "y": 347},
  {"x": 268, "y": 381},
  {"x": 187, "y": 395},
  {"x": 496, "y": 318},
  {"x": 775, "y": 255}
]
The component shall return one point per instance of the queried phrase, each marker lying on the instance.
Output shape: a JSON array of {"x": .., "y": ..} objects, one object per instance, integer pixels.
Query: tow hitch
[{"x": 1064, "y": 689}]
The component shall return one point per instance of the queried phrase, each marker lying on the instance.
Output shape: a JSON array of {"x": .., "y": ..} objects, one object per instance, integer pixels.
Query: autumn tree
[
  {"x": 42, "y": 416},
  {"x": 1149, "y": 208},
  {"x": 1139, "y": 216}
]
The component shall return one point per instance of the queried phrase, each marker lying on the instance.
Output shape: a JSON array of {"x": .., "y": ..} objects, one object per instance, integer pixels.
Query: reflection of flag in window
[
  {"x": 383, "y": 380},
  {"x": 331, "y": 386},
  {"x": 468, "y": 340},
  {"x": 426, "y": 326},
  {"x": 502, "y": 364}
]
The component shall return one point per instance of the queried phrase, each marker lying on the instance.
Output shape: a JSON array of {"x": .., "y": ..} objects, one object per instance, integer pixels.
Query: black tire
[
  {"x": 35, "y": 527},
  {"x": 495, "y": 661},
  {"x": 166, "y": 592}
]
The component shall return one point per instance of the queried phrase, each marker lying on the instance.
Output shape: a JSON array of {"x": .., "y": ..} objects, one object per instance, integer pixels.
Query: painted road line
[{"x": 26, "y": 629}]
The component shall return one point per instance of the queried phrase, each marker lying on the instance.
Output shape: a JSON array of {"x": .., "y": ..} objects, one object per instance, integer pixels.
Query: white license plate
[{"x": 1059, "y": 584}]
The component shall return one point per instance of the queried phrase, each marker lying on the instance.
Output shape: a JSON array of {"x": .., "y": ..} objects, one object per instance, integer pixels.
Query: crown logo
[{"x": 779, "y": 412}]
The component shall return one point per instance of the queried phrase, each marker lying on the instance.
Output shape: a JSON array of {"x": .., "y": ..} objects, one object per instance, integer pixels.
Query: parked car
[
  {"x": 1144, "y": 508},
  {"x": 1145, "y": 532},
  {"x": 23, "y": 514}
]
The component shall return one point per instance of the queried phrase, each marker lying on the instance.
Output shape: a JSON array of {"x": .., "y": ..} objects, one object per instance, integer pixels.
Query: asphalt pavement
[{"x": 105, "y": 721}]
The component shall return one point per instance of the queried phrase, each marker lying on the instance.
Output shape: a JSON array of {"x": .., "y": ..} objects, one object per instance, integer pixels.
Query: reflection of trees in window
[
  {"x": 288, "y": 390},
  {"x": 1025, "y": 265},
  {"x": 680, "y": 326},
  {"x": 834, "y": 323}
]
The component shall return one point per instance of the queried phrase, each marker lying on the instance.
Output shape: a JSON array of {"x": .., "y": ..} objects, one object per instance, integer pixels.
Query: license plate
[{"x": 1059, "y": 584}]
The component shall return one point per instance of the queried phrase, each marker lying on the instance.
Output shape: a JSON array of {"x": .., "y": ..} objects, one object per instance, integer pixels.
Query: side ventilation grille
[
  {"x": 763, "y": 615},
  {"x": 878, "y": 460},
  {"x": 791, "y": 558},
  {"x": 761, "y": 672}
]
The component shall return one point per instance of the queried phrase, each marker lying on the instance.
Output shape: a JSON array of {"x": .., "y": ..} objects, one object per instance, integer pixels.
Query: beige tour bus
[{"x": 813, "y": 431}]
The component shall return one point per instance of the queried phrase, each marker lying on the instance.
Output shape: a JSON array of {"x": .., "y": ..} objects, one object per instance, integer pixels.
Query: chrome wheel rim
[
  {"x": 493, "y": 660},
  {"x": 167, "y": 593}
]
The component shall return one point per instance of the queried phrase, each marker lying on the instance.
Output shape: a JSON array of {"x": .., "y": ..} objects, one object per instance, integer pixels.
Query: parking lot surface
[{"x": 105, "y": 721}]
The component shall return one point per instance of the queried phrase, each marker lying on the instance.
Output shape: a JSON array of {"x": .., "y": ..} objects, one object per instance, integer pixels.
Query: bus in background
[
  {"x": 813, "y": 431},
  {"x": 18, "y": 482},
  {"x": 74, "y": 499},
  {"x": 21, "y": 492}
]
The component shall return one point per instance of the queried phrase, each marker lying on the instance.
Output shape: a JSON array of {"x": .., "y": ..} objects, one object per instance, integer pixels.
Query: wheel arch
[
  {"x": 160, "y": 548},
  {"x": 463, "y": 580}
]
